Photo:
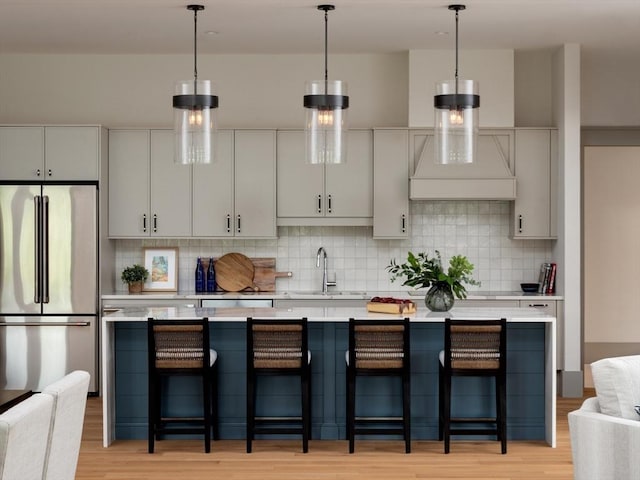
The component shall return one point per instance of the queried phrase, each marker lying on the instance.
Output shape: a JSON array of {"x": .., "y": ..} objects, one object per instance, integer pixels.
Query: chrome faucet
[{"x": 325, "y": 280}]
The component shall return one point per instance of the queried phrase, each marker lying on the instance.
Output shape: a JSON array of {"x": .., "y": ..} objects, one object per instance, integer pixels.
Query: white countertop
[
  {"x": 332, "y": 314},
  {"x": 331, "y": 295}
]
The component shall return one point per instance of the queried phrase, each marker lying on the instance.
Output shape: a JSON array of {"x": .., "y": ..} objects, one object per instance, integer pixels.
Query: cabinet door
[
  {"x": 71, "y": 153},
  {"x": 255, "y": 183},
  {"x": 129, "y": 183},
  {"x": 300, "y": 184},
  {"x": 532, "y": 207},
  {"x": 213, "y": 192},
  {"x": 390, "y": 184},
  {"x": 349, "y": 186},
  {"x": 170, "y": 189},
  {"x": 22, "y": 153}
]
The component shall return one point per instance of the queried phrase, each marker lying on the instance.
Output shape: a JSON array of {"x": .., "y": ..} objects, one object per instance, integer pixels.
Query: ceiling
[{"x": 602, "y": 27}]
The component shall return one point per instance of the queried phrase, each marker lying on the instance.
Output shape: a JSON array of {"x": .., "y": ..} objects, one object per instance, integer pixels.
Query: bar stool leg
[
  {"x": 305, "y": 413},
  {"x": 501, "y": 416},
  {"x": 447, "y": 413},
  {"x": 351, "y": 411},
  {"x": 251, "y": 409},
  {"x": 152, "y": 412},
  {"x": 406, "y": 412}
]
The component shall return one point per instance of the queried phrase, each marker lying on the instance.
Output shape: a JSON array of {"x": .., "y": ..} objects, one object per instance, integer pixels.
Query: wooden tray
[{"x": 395, "y": 308}]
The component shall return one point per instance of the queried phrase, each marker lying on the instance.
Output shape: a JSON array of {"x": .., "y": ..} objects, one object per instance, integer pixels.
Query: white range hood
[{"x": 489, "y": 177}]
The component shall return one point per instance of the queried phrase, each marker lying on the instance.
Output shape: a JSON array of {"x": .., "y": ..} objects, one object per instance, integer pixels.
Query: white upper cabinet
[
  {"x": 255, "y": 183},
  {"x": 170, "y": 189},
  {"x": 129, "y": 183},
  {"x": 324, "y": 194},
  {"x": 213, "y": 191},
  {"x": 50, "y": 153},
  {"x": 149, "y": 195},
  {"x": 390, "y": 183},
  {"x": 534, "y": 211},
  {"x": 235, "y": 196}
]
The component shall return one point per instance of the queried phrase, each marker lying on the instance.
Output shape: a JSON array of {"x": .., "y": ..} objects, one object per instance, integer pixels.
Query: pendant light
[
  {"x": 194, "y": 109},
  {"x": 326, "y": 103},
  {"x": 456, "y": 105}
]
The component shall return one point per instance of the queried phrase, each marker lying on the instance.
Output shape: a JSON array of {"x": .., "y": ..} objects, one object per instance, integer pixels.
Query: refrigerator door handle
[
  {"x": 46, "y": 324},
  {"x": 45, "y": 249},
  {"x": 37, "y": 206}
]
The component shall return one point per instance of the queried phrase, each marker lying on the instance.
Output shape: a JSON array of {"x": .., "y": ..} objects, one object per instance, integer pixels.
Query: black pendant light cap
[
  {"x": 453, "y": 101},
  {"x": 457, "y": 7},
  {"x": 195, "y": 8},
  {"x": 326, "y": 102},
  {"x": 326, "y": 8},
  {"x": 197, "y": 102}
]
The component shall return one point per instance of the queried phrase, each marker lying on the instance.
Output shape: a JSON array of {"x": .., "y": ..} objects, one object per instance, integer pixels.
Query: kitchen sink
[{"x": 330, "y": 294}]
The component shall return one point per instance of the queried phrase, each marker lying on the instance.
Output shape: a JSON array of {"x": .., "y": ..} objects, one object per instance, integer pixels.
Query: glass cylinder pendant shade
[
  {"x": 326, "y": 127},
  {"x": 456, "y": 121},
  {"x": 195, "y": 122}
]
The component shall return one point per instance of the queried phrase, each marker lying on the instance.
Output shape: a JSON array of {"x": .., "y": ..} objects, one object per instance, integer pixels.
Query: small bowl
[{"x": 529, "y": 287}]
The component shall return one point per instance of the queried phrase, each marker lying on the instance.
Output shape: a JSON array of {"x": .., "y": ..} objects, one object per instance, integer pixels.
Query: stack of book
[{"x": 547, "y": 280}]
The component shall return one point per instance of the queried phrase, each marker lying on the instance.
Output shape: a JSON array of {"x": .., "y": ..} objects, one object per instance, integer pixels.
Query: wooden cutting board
[
  {"x": 264, "y": 274},
  {"x": 234, "y": 272}
]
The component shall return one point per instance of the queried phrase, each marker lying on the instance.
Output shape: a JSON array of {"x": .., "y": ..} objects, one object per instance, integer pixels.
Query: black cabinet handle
[
  {"x": 228, "y": 223},
  {"x": 144, "y": 223},
  {"x": 329, "y": 203},
  {"x": 519, "y": 223},
  {"x": 238, "y": 223},
  {"x": 155, "y": 223},
  {"x": 404, "y": 223},
  {"x": 319, "y": 203}
]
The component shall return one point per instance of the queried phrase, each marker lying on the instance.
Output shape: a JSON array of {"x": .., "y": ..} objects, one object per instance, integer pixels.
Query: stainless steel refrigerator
[{"x": 48, "y": 283}]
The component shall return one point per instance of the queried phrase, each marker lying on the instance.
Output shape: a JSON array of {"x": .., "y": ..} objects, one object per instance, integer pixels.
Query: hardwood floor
[{"x": 283, "y": 460}]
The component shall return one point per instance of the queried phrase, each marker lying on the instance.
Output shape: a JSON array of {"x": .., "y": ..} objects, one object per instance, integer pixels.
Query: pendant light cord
[
  {"x": 326, "y": 48},
  {"x": 195, "y": 52},
  {"x": 456, "y": 76}
]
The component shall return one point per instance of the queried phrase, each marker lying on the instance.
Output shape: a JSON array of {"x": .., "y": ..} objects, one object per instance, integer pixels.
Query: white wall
[
  {"x": 610, "y": 90},
  {"x": 492, "y": 69},
  {"x": 256, "y": 91}
]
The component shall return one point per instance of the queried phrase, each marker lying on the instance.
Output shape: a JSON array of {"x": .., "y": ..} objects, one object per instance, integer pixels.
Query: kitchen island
[{"x": 531, "y": 370}]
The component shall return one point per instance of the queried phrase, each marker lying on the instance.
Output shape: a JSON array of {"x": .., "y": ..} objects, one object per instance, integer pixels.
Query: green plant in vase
[
  {"x": 421, "y": 271},
  {"x": 134, "y": 276}
]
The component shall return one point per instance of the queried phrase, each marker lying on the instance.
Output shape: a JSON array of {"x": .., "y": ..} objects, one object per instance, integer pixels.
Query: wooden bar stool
[
  {"x": 278, "y": 347},
  {"x": 379, "y": 348},
  {"x": 474, "y": 348},
  {"x": 181, "y": 347}
]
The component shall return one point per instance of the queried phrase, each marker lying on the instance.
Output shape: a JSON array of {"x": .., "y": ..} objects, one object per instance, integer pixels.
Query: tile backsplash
[{"x": 477, "y": 229}]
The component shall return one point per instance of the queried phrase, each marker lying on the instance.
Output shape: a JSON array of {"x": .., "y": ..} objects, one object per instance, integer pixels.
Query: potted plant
[
  {"x": 423, "y": 271},
  {"x": 134, "y": 276}
]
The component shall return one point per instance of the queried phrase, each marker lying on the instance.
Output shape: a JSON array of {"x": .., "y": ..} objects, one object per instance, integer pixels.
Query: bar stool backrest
[
  {"x": 475, "y": 344},
  {"x": 179, "y": 344},
  {"x": 379, "y": 344},
  {"x": 277, "y": 344}
]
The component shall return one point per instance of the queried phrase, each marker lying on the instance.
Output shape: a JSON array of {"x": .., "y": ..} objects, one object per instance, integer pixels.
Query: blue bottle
[
  {"x": 211, "y": 277},
  {"x": 200, "y": 281}
]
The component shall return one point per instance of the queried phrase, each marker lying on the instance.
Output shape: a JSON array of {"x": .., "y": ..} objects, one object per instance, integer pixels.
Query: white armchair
[
  {"x": 24, "y": 433},
  {"x": 605, "y": 431},
  {"x": 603, "y": 447},
  {"x": 69, "y": 403}
]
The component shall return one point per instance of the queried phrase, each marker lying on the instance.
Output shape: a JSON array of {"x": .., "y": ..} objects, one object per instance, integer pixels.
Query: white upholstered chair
[
  {"x": 605, "y": 431},
  {"x": 69, "y": 396},
  {"x": 24, "y": 435}
]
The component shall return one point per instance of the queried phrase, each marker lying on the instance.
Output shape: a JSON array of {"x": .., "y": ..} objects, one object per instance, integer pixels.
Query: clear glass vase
[{"x": 439, "y": 297}]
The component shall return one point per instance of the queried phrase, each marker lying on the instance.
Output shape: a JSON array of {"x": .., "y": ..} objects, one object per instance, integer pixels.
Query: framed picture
[{"x": 162, "y": 263}]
